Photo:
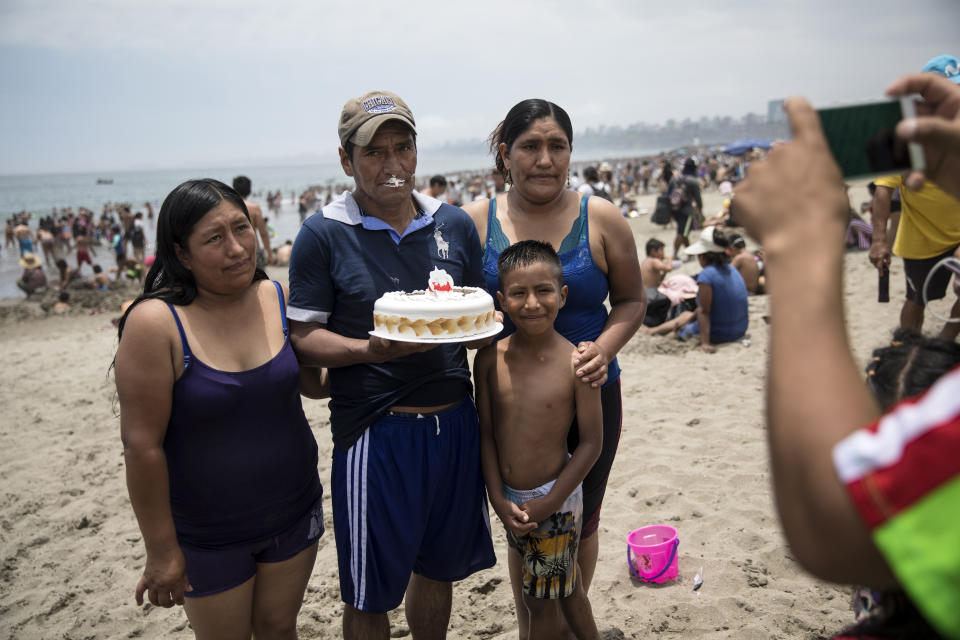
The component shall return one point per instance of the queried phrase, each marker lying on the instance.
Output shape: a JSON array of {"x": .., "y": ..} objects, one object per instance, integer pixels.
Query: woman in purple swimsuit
[
  {"x": 221, "y": 463},
  {"x": 599, "y": 256}
]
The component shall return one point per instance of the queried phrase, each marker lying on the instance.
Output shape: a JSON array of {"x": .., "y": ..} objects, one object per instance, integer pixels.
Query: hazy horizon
[{"x": 110, "y": 85}]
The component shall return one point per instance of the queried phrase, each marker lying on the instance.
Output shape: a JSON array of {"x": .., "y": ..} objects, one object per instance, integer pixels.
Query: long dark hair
[
  {"x": 518, "y": 120},
  {"x": 909, "y": 365},
  {"x": 906, "y": 367},
  {"x": 168, "y": 279}
]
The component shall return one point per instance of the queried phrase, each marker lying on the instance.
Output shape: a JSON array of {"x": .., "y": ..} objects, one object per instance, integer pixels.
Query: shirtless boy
[
  {"x": 528, "y": 397},
  {"x": 265, "y": 256},
  {"x": 744, "y": 262},
  {"x": 84, "y": 249},
  {"x": 654, "y": 267}
]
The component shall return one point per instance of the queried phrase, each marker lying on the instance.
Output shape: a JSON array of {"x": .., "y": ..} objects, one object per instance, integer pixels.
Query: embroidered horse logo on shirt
[{"x": 443, "y": 247}]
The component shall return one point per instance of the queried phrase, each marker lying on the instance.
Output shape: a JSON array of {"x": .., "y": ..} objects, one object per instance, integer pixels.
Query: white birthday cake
[{"x": 442, "y": 310}]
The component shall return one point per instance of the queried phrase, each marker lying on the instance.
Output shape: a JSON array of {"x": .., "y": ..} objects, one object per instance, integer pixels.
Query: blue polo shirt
[{"x": 341, "y": 262}]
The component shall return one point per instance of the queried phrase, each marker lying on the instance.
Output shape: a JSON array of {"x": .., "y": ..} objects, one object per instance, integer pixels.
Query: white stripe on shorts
[
  {"x": 357, "y": 514},
  {"x": 349, "y": 474},
  {"x": 363, "y": 520}
]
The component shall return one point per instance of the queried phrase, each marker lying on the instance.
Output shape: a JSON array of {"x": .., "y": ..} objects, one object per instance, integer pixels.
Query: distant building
[{"x": 775, "y": 112}]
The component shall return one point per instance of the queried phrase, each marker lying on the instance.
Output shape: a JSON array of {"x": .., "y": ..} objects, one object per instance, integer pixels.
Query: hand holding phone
[
  {"x": 937, "y": 127},
  {"x": 863, "y": 141}
]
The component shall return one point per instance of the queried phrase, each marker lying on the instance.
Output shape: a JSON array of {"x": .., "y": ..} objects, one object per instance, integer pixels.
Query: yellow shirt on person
[{"x": 929, "y": 221}]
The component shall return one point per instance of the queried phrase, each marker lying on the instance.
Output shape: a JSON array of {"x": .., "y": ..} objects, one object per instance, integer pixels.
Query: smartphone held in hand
[
  {"x": 863, "y": 141},
  {"x": 883, "y": 285}
]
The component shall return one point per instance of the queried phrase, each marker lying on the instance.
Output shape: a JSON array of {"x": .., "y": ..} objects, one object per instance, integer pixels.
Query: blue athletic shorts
[
  {"x": 408, "y": 497},
  {"x": 215, "y": 570}
]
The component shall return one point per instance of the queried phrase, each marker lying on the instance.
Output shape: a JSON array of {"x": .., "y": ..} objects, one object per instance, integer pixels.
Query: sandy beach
[{"x": 692, "y": 455}]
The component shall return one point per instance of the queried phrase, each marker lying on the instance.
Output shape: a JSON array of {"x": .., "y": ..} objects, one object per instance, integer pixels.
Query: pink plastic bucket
[{"x": 652, "y": 553}]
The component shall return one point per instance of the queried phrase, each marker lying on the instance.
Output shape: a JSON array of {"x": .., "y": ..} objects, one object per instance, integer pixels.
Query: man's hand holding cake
[{"x": 441, "y": 312}]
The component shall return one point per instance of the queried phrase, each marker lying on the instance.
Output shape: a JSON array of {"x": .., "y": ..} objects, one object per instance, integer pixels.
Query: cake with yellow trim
[{"x": 442, "y": 310}]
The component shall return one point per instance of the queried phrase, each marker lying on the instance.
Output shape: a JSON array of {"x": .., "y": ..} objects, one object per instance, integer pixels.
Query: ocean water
[{"x": 39, "y": 194}]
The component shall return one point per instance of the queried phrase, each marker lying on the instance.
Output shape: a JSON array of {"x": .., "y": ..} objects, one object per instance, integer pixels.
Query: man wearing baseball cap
[{"x": 409, "y": 506}]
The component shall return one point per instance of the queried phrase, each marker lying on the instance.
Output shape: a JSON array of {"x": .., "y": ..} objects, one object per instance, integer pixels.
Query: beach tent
[{"x": 740, "y": 147}]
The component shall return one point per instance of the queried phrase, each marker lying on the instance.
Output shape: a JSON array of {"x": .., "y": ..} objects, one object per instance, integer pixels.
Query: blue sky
[{"x": 127, "y": 84}]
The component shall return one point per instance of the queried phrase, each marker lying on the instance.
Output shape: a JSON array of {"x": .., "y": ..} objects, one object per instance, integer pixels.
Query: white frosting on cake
[{"x": 459, "y": 312}]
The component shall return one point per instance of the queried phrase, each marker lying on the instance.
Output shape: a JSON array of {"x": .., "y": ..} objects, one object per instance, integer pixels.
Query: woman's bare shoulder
[
  {"x": 149, "y": 314},
  {"x": 148, "y": 332},
  {"x": 606, "y": 218},
  {"x": 602, "y": 210},
  {"x": 477, "y": 209}
]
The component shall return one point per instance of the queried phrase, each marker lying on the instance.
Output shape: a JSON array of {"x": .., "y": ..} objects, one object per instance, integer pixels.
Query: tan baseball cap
[{"x": 361, "y": 117}]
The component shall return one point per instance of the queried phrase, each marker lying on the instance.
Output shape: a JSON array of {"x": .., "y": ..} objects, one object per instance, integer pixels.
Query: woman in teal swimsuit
[{"x": 532, "y": 148}]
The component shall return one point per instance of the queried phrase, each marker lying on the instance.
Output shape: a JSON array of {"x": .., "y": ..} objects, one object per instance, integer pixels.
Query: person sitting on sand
[
  {"x": 722, "y": 310},
  {"x": 283, "y": 253},
  {"x": 654, "y": 267},
  {"x": 652, "y": 270},
  {"x": 130, "y": 268},
  {"x": 100, "y": 280},
  {"x": 528, "y": 395},
  {"x": 34, "y": 279},
  {"x": 62, "y": 305},
  {"x": 67, "y": 274},
  {"x": 745, "y": 262},
  {"x": 722, "y": 218}
]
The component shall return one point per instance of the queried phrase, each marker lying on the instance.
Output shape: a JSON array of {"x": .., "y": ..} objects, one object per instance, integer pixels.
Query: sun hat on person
[
  {"x": 361, "y": 117},
  {"x": 30, "y": 261},
  {"x": 945, "y": 65},
  {"x": 705, "y": 244}
]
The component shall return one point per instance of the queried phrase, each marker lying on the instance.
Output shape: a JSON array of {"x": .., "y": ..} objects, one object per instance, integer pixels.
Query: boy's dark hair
[
  {"x": 590, "y": 174},
  {"x": 241, "y": 184},
  {"x": 97, "y": 268},
  {"x": 438, "y": 180},
  {"x": 527, "y": 252},
  {"x": 63, "y": 297},
  {"x": 909, "y": 366},
  {"x": 653, "y": 245}
]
